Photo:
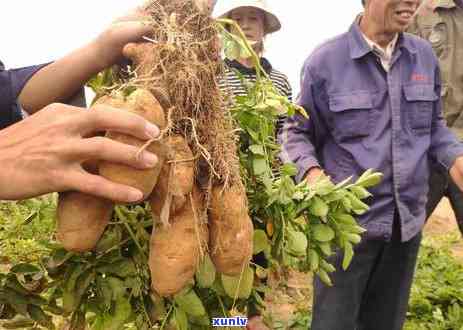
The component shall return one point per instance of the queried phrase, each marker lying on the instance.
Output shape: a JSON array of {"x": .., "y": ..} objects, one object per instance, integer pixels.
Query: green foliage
[
  {"x": 309, "y": 221},
  {"x": 26, "y": 229},
  {"x": 436, "y": 301}
]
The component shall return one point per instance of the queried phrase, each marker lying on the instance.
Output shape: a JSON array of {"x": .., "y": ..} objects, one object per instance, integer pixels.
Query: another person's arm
[
  {"x": 44, "y": 153},
  {"x": 445, "y": 147},
  {"x": 60, "y": 80}
]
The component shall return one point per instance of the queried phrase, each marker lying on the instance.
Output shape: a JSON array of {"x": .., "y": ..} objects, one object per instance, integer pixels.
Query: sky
[{"x": 33, "y": 32}]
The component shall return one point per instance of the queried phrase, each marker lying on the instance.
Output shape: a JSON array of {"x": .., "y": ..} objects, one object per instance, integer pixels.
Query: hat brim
[{"x": 272, "y": 23}]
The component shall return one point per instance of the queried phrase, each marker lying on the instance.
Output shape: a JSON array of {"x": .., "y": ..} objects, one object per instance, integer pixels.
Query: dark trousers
[
  {"x": 373, "y": 293},
  {"x": 440, "y": 185}
]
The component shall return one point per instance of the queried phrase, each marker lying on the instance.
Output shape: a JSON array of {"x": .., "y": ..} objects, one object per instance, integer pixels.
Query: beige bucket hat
[{"x": 225, "y": 7}]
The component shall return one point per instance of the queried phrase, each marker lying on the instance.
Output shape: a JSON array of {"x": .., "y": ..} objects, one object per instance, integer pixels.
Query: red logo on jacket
[{"x": 419, "y": 77}]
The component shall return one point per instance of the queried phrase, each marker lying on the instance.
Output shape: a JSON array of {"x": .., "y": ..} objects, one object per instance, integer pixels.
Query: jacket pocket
[
  {"x": 420, "y": 100},
  {"x": 350, "y": 114}
]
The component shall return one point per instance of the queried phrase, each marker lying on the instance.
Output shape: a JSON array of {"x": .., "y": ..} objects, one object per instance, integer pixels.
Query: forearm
[{"x": 60, "y": 80}]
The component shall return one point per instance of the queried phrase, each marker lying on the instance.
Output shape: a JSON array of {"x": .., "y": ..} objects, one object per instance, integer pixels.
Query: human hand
[
  {"x": 313, "y": 175},
  {"x": 109, "y": 44},
  {"x": 44, "y": 153}
]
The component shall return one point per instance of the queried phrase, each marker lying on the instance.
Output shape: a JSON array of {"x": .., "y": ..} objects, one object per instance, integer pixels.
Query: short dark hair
[{"x": 363, "y": 3}]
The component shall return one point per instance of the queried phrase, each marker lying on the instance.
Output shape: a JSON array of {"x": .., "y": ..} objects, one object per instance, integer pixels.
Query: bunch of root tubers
[{"x": 197, "y": 198}]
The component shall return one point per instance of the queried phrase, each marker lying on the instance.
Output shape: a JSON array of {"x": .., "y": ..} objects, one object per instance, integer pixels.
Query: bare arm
[{"x": 62, "y": 79}]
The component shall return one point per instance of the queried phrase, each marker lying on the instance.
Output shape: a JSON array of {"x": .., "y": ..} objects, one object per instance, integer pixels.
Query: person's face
[
  {"x": 391, "y": 16},
  {"x": 251, "y": 21}
]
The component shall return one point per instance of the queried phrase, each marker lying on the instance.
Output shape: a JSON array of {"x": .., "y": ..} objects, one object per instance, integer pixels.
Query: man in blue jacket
[{"x": 373, "y": 96}]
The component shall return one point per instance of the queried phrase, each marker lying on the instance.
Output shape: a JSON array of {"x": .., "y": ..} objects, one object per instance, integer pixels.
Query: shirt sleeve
[
  {"x": 11, "y": 84},
  {"x": 445, "y": 146},
  {"x": 300, "y": 137}
]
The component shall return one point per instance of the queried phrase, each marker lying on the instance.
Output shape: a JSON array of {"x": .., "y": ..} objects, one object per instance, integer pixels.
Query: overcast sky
[{"x": 33, "y": 32}]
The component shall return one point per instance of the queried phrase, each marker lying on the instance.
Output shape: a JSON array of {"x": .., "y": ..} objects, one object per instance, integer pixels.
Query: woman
[{"x": 256, "y": 20}]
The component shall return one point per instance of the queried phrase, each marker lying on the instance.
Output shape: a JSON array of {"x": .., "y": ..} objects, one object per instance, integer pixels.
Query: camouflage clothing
[{"x": 441, "y": 23}]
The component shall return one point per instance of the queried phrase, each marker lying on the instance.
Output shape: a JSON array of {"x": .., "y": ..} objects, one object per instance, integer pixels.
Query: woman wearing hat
[{"x": 256, "y": 20}]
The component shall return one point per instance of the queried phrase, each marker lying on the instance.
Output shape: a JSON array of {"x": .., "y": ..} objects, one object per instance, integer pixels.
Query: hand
[
  {"x": 313, "y": 174},
  {"x": 110, "y": 43},
  {"x": 61, "y": 79},
  {"x": 44, "y": 153},
  {"x": 456, "y": 172}
]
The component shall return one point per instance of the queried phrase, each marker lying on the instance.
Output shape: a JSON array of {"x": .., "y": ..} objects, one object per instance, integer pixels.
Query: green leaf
[
  {"x": 326, "y": 249},
  {"x": 360, "y": 192},
  {"x": 344, "y": 218},
  {"x": 323, "y": 186},
  {"x": 72, "y": 295},
  {"x": 84, "y": 281},
  {"x": 344, "y": 183},
  {"x": 110, "y": 239},
  {"x": 16, "y": 301},
  {"x": 318, "y": 207},
  {"x": 358, "y": 206},
  {"x": 190, "y": 303},
  {"x": 288, "y": 169},
  {"x": 261, "y": 242},
  {"x": 329, "y": 268},
  {"x": 18, "y": 322},
  {"x": 73, "y": 274},
  {"x": 122, "y": 312},
  {"x": 181, "y": 319},
  {"x": 117, "y": 287},
  {"x": 354, "y": 238},
  {"x": 323, "y": 275},
  {"x": 335, "y": 196},
  {"x": 38, "y": 315},
  {"x": 348, "y": 255},
  {"x": 259, "y": 165},
  {"x": 322, "y": 233},
  {"x": 202, "y": 321},
  {"x": 104, "y": 292},
  {"x": 314, "y": 260},
  {"x": 205, "y": 275},
  {"x": 218, "y": 288},
  {"x": 236, "y": 288},
  {"x": 25, "y": 269},
  {"x": 123, "y": 268},
  {"x": 257, "y": 150},
  {"x": 369, "y": 179},
  {"x": 297, "y": 243},
  {"x": 13, "y": 283}
]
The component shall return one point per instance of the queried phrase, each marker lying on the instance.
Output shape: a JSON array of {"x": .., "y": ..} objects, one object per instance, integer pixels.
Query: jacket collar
[{"x": 359, "y": 46}]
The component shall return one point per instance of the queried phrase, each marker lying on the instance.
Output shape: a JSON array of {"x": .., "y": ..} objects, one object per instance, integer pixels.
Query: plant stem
[{"x": 123, "y": 218}]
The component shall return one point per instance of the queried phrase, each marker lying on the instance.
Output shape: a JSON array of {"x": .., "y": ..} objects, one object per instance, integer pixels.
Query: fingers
[
  {"x": 99, "y": 186},
  {"x": 102, "y": 148},
  {"x": 136, "y": 14},
  {"x": 103, "y": 118},
  {"x": 130, "y": 31}
]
